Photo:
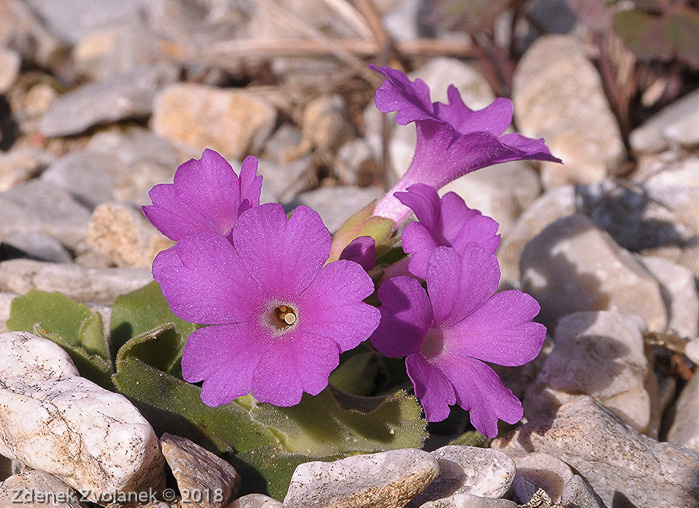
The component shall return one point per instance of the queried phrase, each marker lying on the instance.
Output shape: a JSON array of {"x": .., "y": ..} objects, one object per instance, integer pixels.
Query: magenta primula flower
[
  {"x": 452, "y": 139},
  {"x": 206, "y": 195},
  {"x": 444, "y": 222},
  {"x": 450, "y": 334},
  {"x": 279, "y": 317}
]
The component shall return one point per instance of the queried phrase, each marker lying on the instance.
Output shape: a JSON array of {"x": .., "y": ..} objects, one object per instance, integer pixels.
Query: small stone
[
  {"x": 675, "y": 124},
  {"x": 9, "y": 63},
  {"x": 469, "y": 501},
  {"x": 573, "y": 266},
  {"x": 552, "y": 205},
  {"x": 39, "y": 246},
  {"x": 105, "y": 53},
  {"x": 503, "y": 191},
  {"x": 282, "y": 182},
  {"x": 544, "y": 472},
  {"x": 19, "y": 166},
  {"x": 122, "y": 233},
  {"x": 91, "y": 438},
  {"x": 203, "y": 479},
  {"x": 325, "y": 122},
  {"x": 87, "y": 175},
  {"x": 679, "y": 291},
  {"x": 232, "y": 122},
  {"x": 355, "y": 164},
  {"x": 37, "y": 489},
  {"x": 336, "y": 204},
  {"x": 692, "y": 351},
  {"x": 71, "y": 19},
  {"x": 42, "y": 207},
  {"x": 684, "y": 431},
  {"x": 681, "y": 173},
  {"x": 600, "y": 354},
  {"x": 134, "y": 144},
  {"x": 127, "y": 96},
  {"x": 75, "y": 281},
  {"x": 578, "y": 493},
  {"x": 381, "y": 480},
  {"x": 255, "y": 501},
  {"x": 5, "y": 306},
  {"x": 621, "y": 465},
  {"x": 558, "y": 95},
  {"x": 468, "y": 470}
]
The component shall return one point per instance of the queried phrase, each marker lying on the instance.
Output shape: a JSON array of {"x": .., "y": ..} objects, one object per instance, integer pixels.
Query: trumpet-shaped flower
[
  {"x": 449, "y": 335},
  {"x": 452, "y": 139},
  {"x": 444, "y": 222},
  {"x": 279, "y": 318},
  {"x": 206, "y": 195}
]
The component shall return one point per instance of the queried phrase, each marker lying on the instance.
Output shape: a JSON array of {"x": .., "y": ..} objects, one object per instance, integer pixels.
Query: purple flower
[
  {"x": 279, "y": 317},
  {"x": 444, "y": 222},
  {"x": 206, "y": 195},
  {"x": 452, "y": 139},
  {"x": 448, "y": 336}
]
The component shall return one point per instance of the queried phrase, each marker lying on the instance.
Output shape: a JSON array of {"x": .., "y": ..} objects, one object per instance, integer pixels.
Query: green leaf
[
  {"x": 682, "y": 31},
  {"x": 57, "y": 314},
  {"x": 643, "y": 33},
  {"x": 320, "y": 426},
  {"x": 140, "y": 311},
  {"x": 69, "y": 324},
  {"x": 472, "y": 438},
  {"x": 361, "y": 374},
  {"x": 363, "y": 223}
]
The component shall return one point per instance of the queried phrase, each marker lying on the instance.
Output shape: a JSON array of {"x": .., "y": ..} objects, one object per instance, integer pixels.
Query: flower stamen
[{"x": 285, "y": 316}]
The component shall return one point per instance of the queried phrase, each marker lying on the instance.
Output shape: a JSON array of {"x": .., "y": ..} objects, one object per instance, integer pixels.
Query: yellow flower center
[{"x": 283, "y": 317}]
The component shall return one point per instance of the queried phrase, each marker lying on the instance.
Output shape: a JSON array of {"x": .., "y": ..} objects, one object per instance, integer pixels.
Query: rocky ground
[{"x": 100, "y": 100}]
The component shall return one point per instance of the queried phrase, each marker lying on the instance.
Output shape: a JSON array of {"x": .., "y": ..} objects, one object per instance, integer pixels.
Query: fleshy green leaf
[
  {"x": 57, "y": 314},
  {"x": 472, "y": 438},
  {"x": 643, "y": 33},
  {"x": 69, "y": 324},
  {"x": 140, "y": 311},
  {"x": 361, "y": 374},
  {"x": 320, "y": 426},
  {"x": 682, "y": 31}
]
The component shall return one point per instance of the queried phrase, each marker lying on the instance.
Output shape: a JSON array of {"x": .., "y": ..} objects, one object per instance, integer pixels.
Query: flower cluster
[{"x": 279, "y": 308}]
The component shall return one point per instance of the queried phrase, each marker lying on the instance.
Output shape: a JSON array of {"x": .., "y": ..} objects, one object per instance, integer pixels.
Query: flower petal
[
  {"x": 282, "y": 256},
  {"x": 224, "y": 357},
  {"x": 495, "y": 118},
  {"x": 361, "y": 250},
  {"x": 418, "y": 241},
  {"x": 410, "y": 99},
  {"x": 480, "y": 391},
  {"x": 250, "y": 184},
  {"x": 432, "y": 387},
  {"x": 459, "y": 284},
  {"x": 501, "y": 330},
  {"x": 461, "y": 225},
  {"x": 171, "y": 216},
  {"x": 423, "y": 200},
  {"x": 332, "y": 305},
  {"x": 299, "y": 362},
  {"x": 406, "y": 316},
  {"x": 208, "y": 284}
]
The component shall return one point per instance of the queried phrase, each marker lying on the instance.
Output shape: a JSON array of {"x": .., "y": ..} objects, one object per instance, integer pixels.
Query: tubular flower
[
  {"x": 279, "y": 318},
  {"x": 452, "y": 139},
  {"x": 448, "y": 336}
]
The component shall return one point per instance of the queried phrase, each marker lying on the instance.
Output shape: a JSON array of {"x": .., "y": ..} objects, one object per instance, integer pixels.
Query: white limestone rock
[
  {"x": 574, "y": 266},
  {"x": 36, "y": 489},
  {"x": 624, "y": 468},
  {"x": 544, "y": 472},
  {"x": 468, "y": 470},
  {"x": 600, "y": 354},
  {"x": 381, "y": 480},
  {"x": 56, "y": 421}
]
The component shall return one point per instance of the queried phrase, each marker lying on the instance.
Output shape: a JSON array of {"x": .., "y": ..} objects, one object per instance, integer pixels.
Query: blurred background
[{"x": 101, "y": 100}]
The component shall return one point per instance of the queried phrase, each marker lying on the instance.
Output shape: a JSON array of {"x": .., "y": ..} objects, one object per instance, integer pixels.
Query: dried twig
[{"x": 352, "y": 16}]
